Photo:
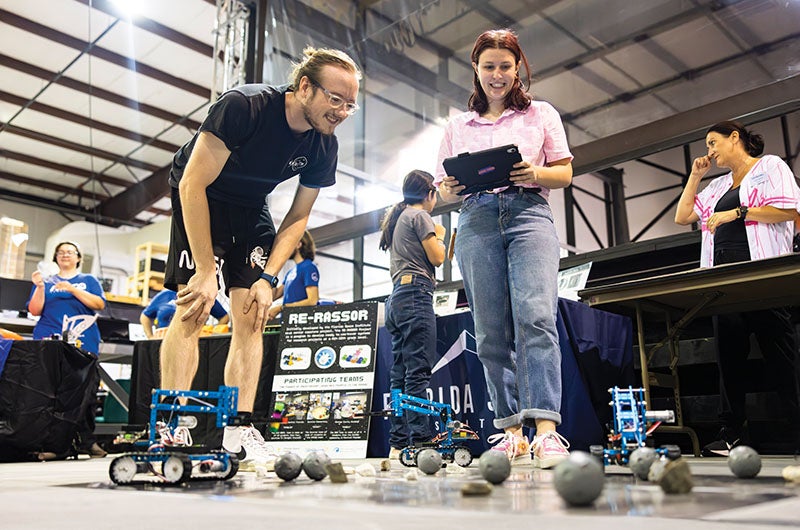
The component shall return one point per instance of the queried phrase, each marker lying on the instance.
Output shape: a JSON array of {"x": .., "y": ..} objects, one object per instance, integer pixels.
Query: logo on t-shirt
[
  {"x": 298, "y": 163},
  {"x": 257, "y": 257},
  {"x": 80, "y": 286}
]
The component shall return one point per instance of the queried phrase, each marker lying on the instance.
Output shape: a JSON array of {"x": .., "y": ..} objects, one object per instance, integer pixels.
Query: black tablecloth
[{"x": 45, "y": 389}]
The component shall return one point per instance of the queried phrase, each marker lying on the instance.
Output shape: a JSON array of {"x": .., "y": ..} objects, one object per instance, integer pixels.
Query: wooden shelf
[
  {"x": 139, "y": 283},
  {"x": 124, "y": 299}
]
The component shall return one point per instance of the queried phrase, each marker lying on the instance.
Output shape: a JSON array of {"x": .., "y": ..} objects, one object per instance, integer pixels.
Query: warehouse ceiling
[{"x": 93, "y": 103}]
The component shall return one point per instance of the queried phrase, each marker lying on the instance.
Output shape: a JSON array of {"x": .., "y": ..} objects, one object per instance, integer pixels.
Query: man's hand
[
  {"x": 200, "y": 294},
  {"x": 259, "y": 299}
]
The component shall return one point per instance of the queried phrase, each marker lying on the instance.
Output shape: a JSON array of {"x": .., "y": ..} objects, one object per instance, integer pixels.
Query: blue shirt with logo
[
  {"x": 304, "y": 274},
  {"x": 58, "y": 304}
]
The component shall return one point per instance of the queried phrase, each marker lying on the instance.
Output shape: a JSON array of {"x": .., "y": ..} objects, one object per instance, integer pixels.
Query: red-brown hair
[{"x": 500, "y": 39}]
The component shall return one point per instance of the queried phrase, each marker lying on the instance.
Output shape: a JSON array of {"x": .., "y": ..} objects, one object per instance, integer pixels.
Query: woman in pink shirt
[
  {"x": 746, "y": 214},
  {"x": 507, "y": 248}
]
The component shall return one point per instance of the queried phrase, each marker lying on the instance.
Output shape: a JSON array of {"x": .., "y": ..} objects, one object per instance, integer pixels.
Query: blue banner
[{"x": 458, "y": 379}]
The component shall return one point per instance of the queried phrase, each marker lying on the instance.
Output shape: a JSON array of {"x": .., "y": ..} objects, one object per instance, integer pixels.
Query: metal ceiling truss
[
  {"x": 389, "y": 63},
  {"x": 759, "y": 104}
]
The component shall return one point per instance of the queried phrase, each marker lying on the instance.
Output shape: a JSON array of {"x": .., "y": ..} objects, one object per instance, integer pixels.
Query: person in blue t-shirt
[
  {"x": 67, "y": 294},
  {"x": 159, "y": 312},
  {"x": 301, "y": 284}
]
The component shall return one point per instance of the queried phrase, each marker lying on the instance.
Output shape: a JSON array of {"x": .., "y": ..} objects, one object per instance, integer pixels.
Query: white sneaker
[
  {"x": 232, "y": 440},
  {"x": 257, "y": 453}
]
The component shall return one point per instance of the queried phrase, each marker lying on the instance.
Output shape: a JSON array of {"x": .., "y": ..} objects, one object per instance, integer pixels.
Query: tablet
[{"x": 483, "y": 170}]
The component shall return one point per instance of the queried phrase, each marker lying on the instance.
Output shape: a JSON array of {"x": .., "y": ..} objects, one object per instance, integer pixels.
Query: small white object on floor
[
  {"x": 791, "y": 474},
  {"x": 366, "y": 470}
]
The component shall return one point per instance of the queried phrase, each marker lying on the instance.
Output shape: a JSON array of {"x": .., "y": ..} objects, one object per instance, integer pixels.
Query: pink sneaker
[
  {"x": 549, "y": 449},
  {"x": 515, "y": 447}
]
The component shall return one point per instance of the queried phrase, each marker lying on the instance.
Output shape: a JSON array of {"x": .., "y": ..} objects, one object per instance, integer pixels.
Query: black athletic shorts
[{"x": 241, "y": 237}]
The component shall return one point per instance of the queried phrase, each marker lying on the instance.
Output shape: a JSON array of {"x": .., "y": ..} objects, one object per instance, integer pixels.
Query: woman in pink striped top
[{"x": 745, "y": 214}]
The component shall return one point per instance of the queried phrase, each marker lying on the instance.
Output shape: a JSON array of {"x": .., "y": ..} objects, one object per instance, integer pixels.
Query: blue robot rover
[
  {"x": 163, "y": 450},
  {"x": 632, "y": 424},
  {"x": 446, "y": 442}
]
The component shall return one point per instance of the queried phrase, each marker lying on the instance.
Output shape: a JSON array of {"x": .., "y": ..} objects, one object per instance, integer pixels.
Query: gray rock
[
  {"x": 494, "y": 466},
  {"x": 641, "y": 460},
  {"x": 744, "y": 461},
  {"x": 288, "y": 466},
  {"x": 579, "y": 479},
  {"x": 314, "y": 464},
  {"x": 429, "y": 461}
]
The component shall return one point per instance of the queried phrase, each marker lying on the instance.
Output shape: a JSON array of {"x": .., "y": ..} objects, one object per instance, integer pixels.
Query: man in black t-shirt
[{"x": 255, "y": 137}]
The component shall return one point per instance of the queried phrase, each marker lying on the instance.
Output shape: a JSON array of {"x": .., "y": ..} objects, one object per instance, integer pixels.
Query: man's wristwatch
[
  {"x": 741, "y": 211},
  {"x": 272, "y": 280}
]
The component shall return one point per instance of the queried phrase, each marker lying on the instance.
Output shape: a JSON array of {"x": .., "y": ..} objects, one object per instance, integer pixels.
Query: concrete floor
[{"x": 79, "y": 494}]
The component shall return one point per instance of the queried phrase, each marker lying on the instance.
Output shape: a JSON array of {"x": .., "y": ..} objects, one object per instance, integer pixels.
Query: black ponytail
[
  {"x": 388, "y": 223},
  {"x": 753, "y": 142},
  {"x": 417, "y": 185}
]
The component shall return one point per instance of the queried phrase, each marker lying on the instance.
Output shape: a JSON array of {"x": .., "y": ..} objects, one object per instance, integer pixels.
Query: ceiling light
[{"x": 128, "y": 8}]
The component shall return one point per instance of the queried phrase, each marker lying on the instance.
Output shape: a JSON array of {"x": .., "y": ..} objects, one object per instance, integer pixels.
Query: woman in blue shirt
[
  {"x": 301, "y": 284},
  {"x": 68, "y": 294}
]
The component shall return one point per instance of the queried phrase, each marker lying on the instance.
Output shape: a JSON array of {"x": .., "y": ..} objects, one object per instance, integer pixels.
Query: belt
[{"x": 517, "y": 189}]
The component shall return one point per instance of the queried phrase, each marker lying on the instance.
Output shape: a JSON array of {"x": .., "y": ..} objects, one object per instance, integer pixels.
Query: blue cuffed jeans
[
  {"x": 508, "y": 253},
  {"x": 412, "y": 324}
]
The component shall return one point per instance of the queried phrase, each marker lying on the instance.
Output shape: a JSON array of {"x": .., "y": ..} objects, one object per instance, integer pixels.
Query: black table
[{"x": 678, "y": 298}]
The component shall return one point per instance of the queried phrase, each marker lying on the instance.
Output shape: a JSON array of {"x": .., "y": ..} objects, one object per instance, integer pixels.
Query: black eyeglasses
[
  {"x": 336, "y": 101},
  {"x": 66, "y": 253}
]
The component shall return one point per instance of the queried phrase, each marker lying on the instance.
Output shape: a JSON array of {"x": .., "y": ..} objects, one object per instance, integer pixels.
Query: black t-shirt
[
  {"x": 251, "y": 120},
  {"x": 730, "y": 236}
]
